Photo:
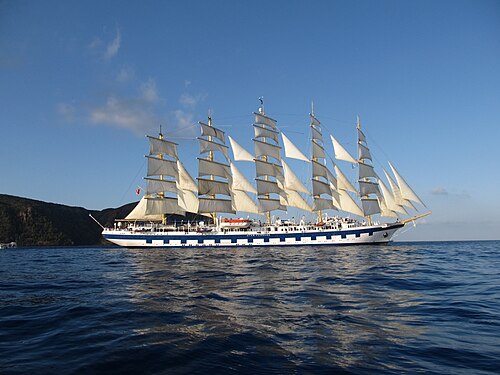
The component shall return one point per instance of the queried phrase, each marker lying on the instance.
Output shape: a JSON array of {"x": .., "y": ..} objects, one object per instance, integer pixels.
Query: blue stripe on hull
[{"x": 264, "y": 237}]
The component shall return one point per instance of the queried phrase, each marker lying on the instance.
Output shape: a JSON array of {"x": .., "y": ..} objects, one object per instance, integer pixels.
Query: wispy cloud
[
  {"x": 106, "y": 50},
  {"x": 113, "y": 46},
  {"x": 96, "y": 43},
  {"x": 191, "y": 101},
  {"x": 128, "y": 113},
  {"x": 439, "y": 191},
  {"x": 125, "y": 74},
  {"x": 67, "y": 111},
  {"x": 149, "y": 92}
]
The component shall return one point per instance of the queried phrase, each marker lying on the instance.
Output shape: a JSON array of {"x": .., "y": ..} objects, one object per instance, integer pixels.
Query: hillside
[{"x": 35, "y": 223}]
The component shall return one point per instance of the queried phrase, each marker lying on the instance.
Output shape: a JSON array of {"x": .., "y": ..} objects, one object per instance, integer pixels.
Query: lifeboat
[{"x": 235, "y": 223}]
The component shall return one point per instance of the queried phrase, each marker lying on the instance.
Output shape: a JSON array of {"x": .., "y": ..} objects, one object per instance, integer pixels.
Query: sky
[{"x": 82, "y": 83}]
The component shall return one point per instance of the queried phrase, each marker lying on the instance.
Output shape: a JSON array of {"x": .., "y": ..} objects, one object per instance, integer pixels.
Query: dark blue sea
[{"x": 426, "y": 307}]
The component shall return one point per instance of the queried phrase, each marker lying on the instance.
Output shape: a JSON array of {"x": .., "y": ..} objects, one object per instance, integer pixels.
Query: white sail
[
  {"x": 342, "y": 181},
  {"x": 384, "y": 210},
  {"x": 243, "y": 203},
  {"x": 292, "y": 182},
  {"x": 317, "y": 150},
  {"x": 319, "y": 170},
  {"x": 260, "y": 131},
  {"x": 364, "y": 152},
  {"x": 156, "y": 185},
  {"x": 159, "y": 206},
  {"x": 389, "y": 199},
  {"x": 270, "y": 204},
  {"x": 210, "y": 131},
  {"x": 162, "y": 167},
  {"x": 212, "y": 187},
  {"x": 406, "y": 190},
  {"x": 139, "y": 212},
  {"x": 332, "y": 179},
  {"x": 370, "y": 206},
  {"x": 368, "y": 187},
  {"x": 209, "y": 205},
  {"x": 361, "y": 135},
  {"x": 366, "y": 171},
  {"x": 321, "y": 204},
  {"x": 268, "y": 187},
  {"x": 335, "y": 196},
  {"x": 348, "y": 204},
  {"x": 187, "y": 200},
  {"x": 161, "y": 146},
  {"x": 264, "y": 120},
  {"x": 397, "y": 193},
  {"x": 206, "y": 146},
  {"x": 212, "y": 168},
  {"x": 316, "y": 133},
  {"x": 341, "y": 153},
  {"x": 264, "y": 168},
  {"x": 240, "y": 182},
  {"x": 266, "y": 149},
  {"x": 314, "y": 121},
  {"x": 239, "y": 153},
  {"x": 320, "y": 187},
  {"x": 185, "y": 181},
  {"x": 291, "y": 151},
  {"x": 294, "y": 199}
]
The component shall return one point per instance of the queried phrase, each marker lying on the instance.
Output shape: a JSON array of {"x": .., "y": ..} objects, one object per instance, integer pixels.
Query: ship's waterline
[{"x": 366, "y": 235}]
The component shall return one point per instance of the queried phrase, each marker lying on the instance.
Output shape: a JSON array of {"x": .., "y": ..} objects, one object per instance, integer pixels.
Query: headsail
[
  {"x": 291, "y": 151},
  {"x": 406, "y": 191},
  {"x": 340, "y": 152},
  {"x": 239, "y": 153},
  {"x": 240, "y": 188}
]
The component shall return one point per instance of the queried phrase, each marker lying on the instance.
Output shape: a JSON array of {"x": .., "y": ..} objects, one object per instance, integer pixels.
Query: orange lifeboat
[{"x": 235, "y": 223}]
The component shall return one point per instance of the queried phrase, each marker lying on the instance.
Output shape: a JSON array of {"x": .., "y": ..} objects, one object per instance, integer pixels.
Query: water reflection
[{"x": 339, "y": 307}]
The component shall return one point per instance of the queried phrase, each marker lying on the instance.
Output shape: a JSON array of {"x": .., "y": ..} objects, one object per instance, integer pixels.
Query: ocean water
[{"x": 427, "y": 307}]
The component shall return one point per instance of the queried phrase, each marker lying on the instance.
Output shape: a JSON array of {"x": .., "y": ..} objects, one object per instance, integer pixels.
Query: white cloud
[
  {"x": 149, "y": 91},
  {"x": 113, "y": 46},
  {"x": 68, "y": 111},
  {"x": 126, "y": 74},
  {"x": 137, "y": 113},
  {"x": 454, "y": 194},
  {"x": 439, "y": 191},
  {"x": 128, "y": 113},
  {"x": 184, "y": 119},
  {"x": 96, "y": 43},
  {"x": 190, "y": 101}
]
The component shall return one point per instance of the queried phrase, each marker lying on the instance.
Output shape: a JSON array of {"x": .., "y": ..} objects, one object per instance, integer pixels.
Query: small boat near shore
[{"x": 8, "y": 245}]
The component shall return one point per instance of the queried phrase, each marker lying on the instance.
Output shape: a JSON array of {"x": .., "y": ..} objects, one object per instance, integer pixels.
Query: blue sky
[{"x": 82, "y": 82}]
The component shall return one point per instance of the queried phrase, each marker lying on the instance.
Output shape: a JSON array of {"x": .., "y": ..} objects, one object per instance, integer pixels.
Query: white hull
[{"x": 279, "y": 237}]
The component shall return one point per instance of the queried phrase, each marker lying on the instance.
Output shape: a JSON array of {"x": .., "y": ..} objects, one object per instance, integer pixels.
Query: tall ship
[{"x": 225, "y": 200}]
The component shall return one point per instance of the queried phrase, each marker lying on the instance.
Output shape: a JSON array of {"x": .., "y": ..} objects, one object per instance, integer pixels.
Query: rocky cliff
[{"x": 35, "y": 223}]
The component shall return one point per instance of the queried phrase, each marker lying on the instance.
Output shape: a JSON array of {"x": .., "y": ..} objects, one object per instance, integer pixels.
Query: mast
[
  {"x": 212, "y": 142},
  {"x": 162, "y": 175},
  {"x": 268, "y": 173},
  {"x": 368, "y": 185},
  {"x": 322, "y": 178}
]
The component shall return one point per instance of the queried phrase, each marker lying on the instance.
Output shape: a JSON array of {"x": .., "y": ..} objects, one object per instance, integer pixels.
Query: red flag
[{"x": 138, "y": 191}]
